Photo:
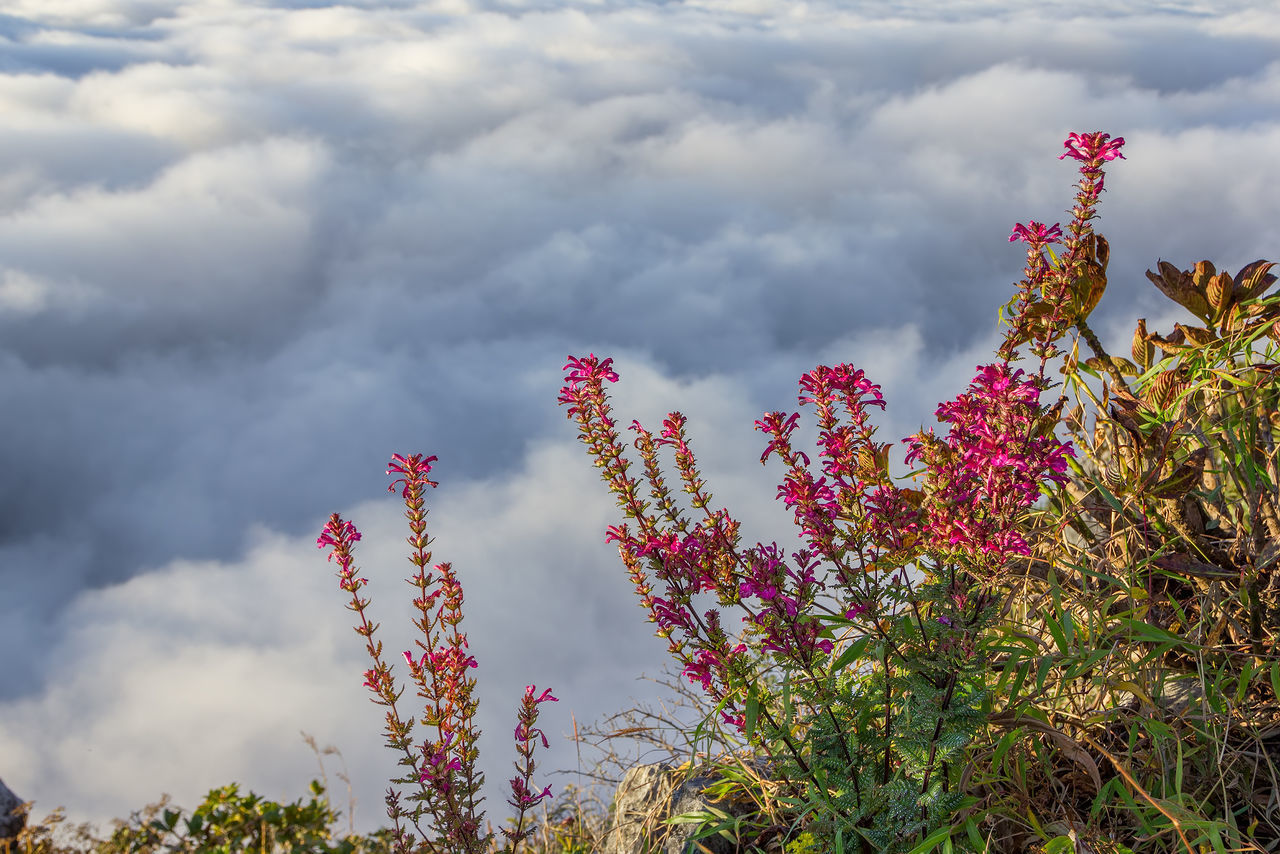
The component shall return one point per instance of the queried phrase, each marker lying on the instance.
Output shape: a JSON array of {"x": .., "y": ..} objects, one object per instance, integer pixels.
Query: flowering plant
[
  {"x": 951, "y": 661},
  {"x": 885, "y": 690},
  {"x": 878, "y": 660},
  {"x": 442, "y": 766}
]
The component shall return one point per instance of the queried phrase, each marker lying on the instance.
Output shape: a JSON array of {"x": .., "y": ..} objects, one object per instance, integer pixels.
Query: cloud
[{"x": 250, "y": 249}]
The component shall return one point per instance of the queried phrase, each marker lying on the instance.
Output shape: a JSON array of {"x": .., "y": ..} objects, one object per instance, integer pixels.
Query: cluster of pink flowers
[
  {"x": 980, "y": 479},
  {"x": 990, "y": 466},
  {"x": 844, "y": 449},
  {"x": 687, "y": 559},
  {"x": 661, "y": 546},
  {"x": 786, "y": 596}
]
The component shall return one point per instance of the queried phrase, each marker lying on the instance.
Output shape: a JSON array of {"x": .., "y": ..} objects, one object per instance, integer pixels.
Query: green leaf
[
  {"x": 851, "y": 653},
  {"x": 1042, "y": 672},
  {"x": 932, "y": 841},
  {"x": 1055, "y": 629},
  {"x": 1002, "y": 746},
  {"x": 1246, "y": 676},
  {"x": 753, "y": 711},
  {"x": 1023, "y": 672},
  {"x": 1151, "y": 634}
]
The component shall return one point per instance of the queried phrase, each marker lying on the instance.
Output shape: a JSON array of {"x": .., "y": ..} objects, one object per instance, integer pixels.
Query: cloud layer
[{"x": 249, "y": 249}]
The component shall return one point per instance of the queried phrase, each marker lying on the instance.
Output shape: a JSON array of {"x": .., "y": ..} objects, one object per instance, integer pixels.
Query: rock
[
  {"x": 650, "y": 793},
  {"x": 1180, "y": 695},
  {"x": 13, "y": 815}
]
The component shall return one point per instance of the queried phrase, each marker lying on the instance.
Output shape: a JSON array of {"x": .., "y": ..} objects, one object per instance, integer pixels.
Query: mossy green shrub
[{"x": 226, "y": 822}]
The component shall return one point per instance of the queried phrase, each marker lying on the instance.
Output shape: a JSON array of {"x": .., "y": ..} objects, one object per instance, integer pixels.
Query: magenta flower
[
  {"x": 340, "y": 535},
  {"x": 1093, "y": 147},
  {"x": 525, "y": 731},
  {"x": 337, "y": 531},
  {"x": 855, "y": 611},
  {"x": 522, "y": 796},
  {"x": 589, "y": 368},
  {"x": 991, "y": 465},
  {"x": 413, "y": 470},
  {"x": 544, "y": 697},
  {"x": 1037, "y": 234}
]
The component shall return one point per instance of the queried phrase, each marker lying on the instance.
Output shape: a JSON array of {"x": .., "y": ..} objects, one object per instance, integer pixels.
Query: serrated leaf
[
  {"x": 1088, "y": 288},
  {"x": 1164, "y": 389}
]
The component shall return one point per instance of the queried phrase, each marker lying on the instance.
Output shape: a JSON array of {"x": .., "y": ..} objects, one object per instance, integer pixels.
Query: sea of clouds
[{"x": 250, "y": 249}]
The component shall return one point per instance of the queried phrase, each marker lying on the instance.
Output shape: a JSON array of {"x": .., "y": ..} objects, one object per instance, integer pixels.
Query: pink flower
[
  {"x": 523, "y": 798},
  {"x": 584, "y": 378},
  {"x": 990, "y": 467},
  {"x": 1037, "y": 233},
  {"x": 1092, "y": 147},
  {"x": 337, "y": 532},
  {"x": 545, "y": 696},
  {"x": 340, "y": 536},
  {"x": 589, "y": 368},
  {"x": 413, "y": 469}
]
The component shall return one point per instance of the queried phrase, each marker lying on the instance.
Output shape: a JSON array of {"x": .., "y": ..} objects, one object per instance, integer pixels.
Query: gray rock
[
  {"x": 650, "y": 793},
  {"x": 13, "y": 816},
  {"x": 1181, "y": 695}
]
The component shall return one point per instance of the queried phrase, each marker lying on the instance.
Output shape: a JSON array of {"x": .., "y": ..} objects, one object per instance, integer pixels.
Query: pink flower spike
[
  {"x": 545, "y": 696},
  {"x": 1089, "y": 147},
  {"x": 1037, "y": 233},
  {"x": 337, "y": 532},
  {"x": 588, "y": 368},
  {"x": 413, "y": 471}
]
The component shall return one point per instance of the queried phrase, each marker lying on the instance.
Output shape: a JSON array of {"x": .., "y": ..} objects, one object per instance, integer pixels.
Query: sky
[{"x": 250, "y": 249}]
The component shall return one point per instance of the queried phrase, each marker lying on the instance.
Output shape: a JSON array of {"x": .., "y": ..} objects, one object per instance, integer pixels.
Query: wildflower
[
  {"x": 1093, "y": 147},
  {"x": 340, "y": 535},
  {"x": 525, "y": 731},
  {"x": 522, "y": 796},
  {"x": 414, "y": 470},
  {"x": 1037, "y": 234},
  {"x": 990, "y": 466}
]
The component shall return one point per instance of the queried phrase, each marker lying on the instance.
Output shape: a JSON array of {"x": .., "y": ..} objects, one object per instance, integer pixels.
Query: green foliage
[
  {"x": 1135, "y": 666},
  {"x": 226, "y": 822},
  {"x": 884, "y": 751}
]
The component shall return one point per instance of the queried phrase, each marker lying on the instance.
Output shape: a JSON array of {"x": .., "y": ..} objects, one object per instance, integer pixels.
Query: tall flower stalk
[{"x": 441, "y": 768}]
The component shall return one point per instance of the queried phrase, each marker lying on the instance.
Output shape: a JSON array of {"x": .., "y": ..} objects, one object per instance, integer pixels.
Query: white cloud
[
  {"x": 24, "y": 294},
  {"x": 250, "y": 249}
]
